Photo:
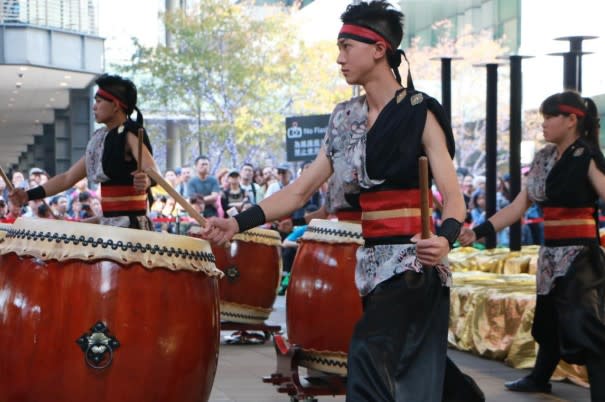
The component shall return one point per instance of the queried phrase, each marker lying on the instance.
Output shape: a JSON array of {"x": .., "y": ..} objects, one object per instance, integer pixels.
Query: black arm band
[
  {"x": 450, "y": 229},
  {"x": 485, "y": 229},
  {"x": 250, "y": 218},
  {"x": 36, "y": 193},
  {"x": 299, "y": 221}
]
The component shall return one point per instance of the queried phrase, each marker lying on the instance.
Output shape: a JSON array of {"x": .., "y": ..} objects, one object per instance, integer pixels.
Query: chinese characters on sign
[{"x": 304, "y": 136}]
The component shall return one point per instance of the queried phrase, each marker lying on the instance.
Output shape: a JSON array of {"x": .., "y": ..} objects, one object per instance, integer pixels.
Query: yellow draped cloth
[{"x": 492, "y": 307}]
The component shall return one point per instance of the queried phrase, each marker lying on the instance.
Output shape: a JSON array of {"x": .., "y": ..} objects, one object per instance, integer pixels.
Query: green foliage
[{"x": 235, "y": 75}]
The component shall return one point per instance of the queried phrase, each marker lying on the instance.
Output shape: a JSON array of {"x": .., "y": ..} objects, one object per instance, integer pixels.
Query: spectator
[
  {"x": 44, "y": 212},
  {"x": 285, "y": 175},
  {"x": 170, "y": 177},
  {"x": 14, "y": 212},
  {"x": 38, "y": 176},
  {"x": 86, "y": 212},
  {"x": 268, "y": 178},
  {"x": 205, "y": 186},
  {"x": 184, "y": 175},
  {"x": 3, "y": 190},
  {"x": 3, "y": 209},
  {"x": 234, "y": 197},
  {"x": 254, "y": 191},
  {"x": 221, "y": 176},
  {"x": 478, "y": 208},
  {"x": 467, "y": 193},
  {"x": 258, "y": 177},
  {"x": 58, "y": 204},
  {"x": 18, "y": 180}
]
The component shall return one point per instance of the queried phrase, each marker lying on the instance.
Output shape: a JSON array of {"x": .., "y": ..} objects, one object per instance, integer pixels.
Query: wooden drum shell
[
  {"x": 252, "y": 265},
  {"x": 322, "y": 301},
  {"x": 167, "y": 323}
]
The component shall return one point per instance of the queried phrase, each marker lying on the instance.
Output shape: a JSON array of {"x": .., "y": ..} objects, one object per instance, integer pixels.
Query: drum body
[
  {"x": 252, "y": 265},
  {"x": 322, "y": 301},
  {"x": 98, "y": 313}
]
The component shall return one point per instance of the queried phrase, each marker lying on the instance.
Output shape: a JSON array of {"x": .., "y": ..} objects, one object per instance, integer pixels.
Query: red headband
[
  {"x": 363, "y": 34},
  {"x": 110, "y": 97},
  {"x": 571, "y": 110}
]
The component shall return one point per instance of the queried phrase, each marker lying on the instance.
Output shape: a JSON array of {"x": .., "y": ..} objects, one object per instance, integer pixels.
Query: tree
[
  {"x": 225, "y": 72},
  {"x": 468, "y": 89}
]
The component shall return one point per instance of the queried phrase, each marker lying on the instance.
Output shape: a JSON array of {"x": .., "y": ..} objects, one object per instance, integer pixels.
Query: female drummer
[
  {"x": 566, "y": 179},
  {"x": 110, "y": 159}
]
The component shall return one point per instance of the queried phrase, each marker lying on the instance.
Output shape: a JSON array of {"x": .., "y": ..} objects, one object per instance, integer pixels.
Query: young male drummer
[{"x": 398, "y": 349}]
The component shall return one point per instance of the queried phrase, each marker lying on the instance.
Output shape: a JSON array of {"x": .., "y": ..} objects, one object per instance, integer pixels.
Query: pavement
[{"x": 242, "y": 367}]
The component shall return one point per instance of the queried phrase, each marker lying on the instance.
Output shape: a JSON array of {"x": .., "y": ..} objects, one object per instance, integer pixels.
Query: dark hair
[
  {"x": 2, "y": 204},
  {"x": 200, "y": 158},
  {"x": 84, "y": 196},
  {"x": 247, "y": 164},
  {"x": 476, "y": 194},
  {"x": 588, "y": 125},
  {"x": 381, "y": 17},
  {"x": 123, "y": 89},
  {"x": 43, "y": 210}
]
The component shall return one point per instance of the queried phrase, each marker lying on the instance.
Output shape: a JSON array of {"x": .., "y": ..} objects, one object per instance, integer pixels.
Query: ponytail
[{"x": 591, "y": 123}]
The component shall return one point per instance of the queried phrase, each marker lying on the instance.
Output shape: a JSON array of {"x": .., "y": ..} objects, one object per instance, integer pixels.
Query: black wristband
[
  {"x": 485, "y": 229},
  {"x": 36, "y": 193},
  {"x": 250, "y": 218},
  {"x": 450, "y": 229},
  {"x": 299, "y": 221}
]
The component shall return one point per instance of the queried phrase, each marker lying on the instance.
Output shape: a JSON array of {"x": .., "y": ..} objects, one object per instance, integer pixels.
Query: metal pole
[
  {"x": 446, "y": 86},
  {"x": 516, "y": 90},
  {"x": 491, "y": 145},
  {"x": 572, "y": 61}
]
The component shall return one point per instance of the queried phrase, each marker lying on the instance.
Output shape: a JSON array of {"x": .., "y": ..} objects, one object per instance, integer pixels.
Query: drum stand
[
  {"x": 289, "y": 381},
  {"x": 243, "y": 334}
]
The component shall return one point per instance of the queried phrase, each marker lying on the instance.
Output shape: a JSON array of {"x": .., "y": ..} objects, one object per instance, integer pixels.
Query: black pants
[
  {"x": 569, "y": 323},
  {"x": 398, "y": 349}
]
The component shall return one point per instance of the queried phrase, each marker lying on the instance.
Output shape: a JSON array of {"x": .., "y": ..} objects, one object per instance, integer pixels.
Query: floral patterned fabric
[
  {"x": 95, "y": 174},
  {"x": 553, "y": 262},
  {"x": 345, "y": 145}
]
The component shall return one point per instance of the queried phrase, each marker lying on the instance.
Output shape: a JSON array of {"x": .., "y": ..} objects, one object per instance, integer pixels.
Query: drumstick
[
  {"x": 11, "y": 187},
  {"x": 140, "y": 150},
  {"x": 425, "y": 212},
  {"x": 177, "y": 197},
  {"x": 9, "y": 184}
]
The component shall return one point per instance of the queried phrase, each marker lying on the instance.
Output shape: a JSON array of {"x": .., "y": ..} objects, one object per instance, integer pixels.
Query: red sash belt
[
  {"x": 350, "y": 216},
  {"x": 569, "y": 223},
  {"x": 391, "y": 213},
  {"x": 122, "y": 199}
]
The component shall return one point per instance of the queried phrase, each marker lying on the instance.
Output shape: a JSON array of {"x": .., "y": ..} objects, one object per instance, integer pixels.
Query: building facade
[{"x": 50, "y": 54}]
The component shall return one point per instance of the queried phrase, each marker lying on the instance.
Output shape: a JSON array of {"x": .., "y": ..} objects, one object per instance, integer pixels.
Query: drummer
[{"x": 110, "y": 159}]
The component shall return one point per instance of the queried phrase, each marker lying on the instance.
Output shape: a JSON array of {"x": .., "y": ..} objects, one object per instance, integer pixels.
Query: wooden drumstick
[
  {"x": 140, "y": 150},
  {"x": 425, "y": 211},
  {"x": 11, "y": 187},
  {"x": 9, "y": 184},
  {"x": 177, "y": 197}
]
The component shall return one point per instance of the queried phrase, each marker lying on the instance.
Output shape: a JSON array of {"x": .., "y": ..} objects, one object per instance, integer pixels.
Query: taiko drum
[
  {"x": 252, "y": 265},
  {"x": 98, "y": 313},
  {"x": 322, "y": 301}
]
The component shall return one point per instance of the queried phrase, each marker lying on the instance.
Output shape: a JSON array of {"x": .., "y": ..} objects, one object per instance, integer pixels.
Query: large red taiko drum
[
  {"x": 252, "y": 265},
  {"x": 104, "y": 314},
  {"x": 322, "y": 301}
]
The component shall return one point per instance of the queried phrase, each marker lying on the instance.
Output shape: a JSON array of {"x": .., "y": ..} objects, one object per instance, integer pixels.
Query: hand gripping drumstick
[
  {"x": 425, "y": 212},
  {"x": 10, "y": 186},
  {"x": 177, "y": 197}
]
